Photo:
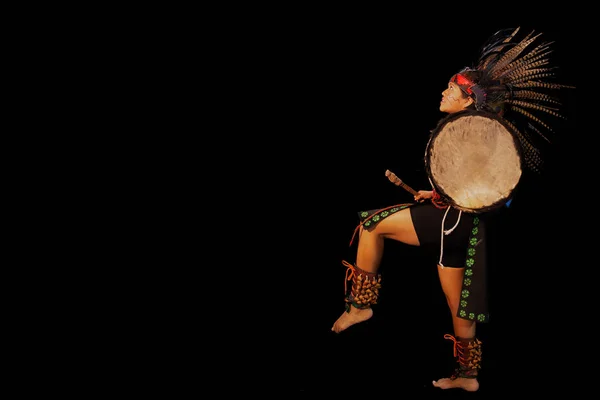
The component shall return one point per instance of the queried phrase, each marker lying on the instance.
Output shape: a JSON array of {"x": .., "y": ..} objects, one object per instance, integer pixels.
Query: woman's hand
[{"x": 423, "y": 195}]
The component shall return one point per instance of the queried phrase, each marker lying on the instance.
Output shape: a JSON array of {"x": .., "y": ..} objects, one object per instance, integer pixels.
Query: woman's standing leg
[{"x": 467, "y": 347}]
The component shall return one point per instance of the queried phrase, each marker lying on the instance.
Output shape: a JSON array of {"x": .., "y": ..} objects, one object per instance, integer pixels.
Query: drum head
[{"x": 473, "y": 161}]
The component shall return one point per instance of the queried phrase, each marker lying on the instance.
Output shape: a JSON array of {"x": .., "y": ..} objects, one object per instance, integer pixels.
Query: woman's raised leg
[{"x": 399, "y": 227}]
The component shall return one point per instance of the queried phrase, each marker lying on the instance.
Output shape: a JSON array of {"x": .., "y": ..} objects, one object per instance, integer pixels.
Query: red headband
[{"x": 465, "y": 83}]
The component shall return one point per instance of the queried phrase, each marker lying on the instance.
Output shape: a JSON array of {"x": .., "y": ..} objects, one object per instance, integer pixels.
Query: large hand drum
[{"x": 473, "y": 161}]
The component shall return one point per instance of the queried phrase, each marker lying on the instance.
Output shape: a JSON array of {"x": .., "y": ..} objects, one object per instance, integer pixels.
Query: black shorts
[{"x": 427, "y": 220}]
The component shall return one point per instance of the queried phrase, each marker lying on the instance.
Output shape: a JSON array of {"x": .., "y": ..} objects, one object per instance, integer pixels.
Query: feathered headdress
[{"x": 512, "y": 78}]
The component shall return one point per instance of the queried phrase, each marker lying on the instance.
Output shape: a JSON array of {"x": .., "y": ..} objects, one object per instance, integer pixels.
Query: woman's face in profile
[{"x": 453, "y": 99}]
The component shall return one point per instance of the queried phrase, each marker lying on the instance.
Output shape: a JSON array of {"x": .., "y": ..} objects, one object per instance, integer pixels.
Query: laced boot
[
  {"x": 365, "y": 287},
  {"x": 468, "y": 353}
]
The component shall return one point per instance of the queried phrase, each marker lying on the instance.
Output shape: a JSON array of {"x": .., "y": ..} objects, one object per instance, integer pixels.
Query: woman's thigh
[{"x": 398, "y": 226}]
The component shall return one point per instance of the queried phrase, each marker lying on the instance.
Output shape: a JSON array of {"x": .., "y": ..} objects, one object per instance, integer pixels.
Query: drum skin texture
[{"x": 474, "y": 161}]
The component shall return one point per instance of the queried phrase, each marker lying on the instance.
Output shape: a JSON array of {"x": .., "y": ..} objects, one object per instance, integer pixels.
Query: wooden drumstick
[
  {"x": 406, "y": 187},
  {"x": 398, "y": 182}
]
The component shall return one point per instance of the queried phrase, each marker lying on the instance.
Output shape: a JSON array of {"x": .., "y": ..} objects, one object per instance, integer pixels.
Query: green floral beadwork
[{"x": 468, "y": 275}]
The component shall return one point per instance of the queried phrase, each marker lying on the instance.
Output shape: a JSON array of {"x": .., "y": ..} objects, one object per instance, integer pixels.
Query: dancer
[{"x": 508, "y": 96}]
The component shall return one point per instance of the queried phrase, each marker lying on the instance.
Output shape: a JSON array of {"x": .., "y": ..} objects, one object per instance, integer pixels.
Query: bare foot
[
  {"x": 347, "y": 319},
  {"x": 468, "y": 384}
]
